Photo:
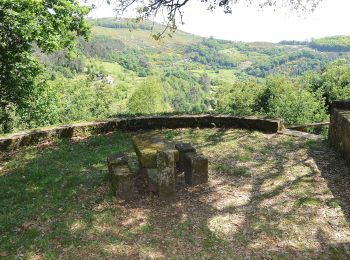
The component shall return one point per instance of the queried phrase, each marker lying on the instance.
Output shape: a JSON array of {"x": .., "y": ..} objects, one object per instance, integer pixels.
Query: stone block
[
  {"x": 166, "y": 174},
  {"x": 183, "y": 148},
  {"x": 116, "y": 160},
  {"x": 147, "y": 145},
  {"x": 152, "y": 177},
  {"x": 196, "y": 169},
  {"x": 123, "y": 170},
  {"x": 339, "y": 129},
  {"x": 122, "y": 181}
]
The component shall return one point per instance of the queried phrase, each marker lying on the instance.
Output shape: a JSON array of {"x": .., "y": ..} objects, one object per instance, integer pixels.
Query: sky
[{"x": 332, "y": 17}]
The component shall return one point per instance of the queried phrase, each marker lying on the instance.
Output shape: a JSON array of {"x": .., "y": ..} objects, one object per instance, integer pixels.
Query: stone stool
[
  {"x": 122, "y": 178},
  {"x": 183, "y": 148},
  {"x": 196, "y": 168}
]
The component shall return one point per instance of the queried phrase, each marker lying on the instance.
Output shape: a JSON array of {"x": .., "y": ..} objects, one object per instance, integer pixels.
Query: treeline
[
  {"x": 294, "y": 42},
  {"x": 121, "y": 23},
  {"x": 298, "y": 61},
  {"x": 107, "y": 78},
  {"x": 331, "y": 44},
  {"x": 300, "y": 100}
]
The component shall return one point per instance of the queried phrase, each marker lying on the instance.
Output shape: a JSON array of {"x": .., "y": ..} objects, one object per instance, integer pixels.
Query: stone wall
[
  {"x": 17, "y": 140},
  {"x": 339, "y": 128}
]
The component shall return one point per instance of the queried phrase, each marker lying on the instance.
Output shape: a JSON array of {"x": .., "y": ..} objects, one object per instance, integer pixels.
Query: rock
[
  {"x": 147, "y": 145},
  {"x": 122, "y": 171},
  {"x": 116, "y": 160},
  {"x": 339, "y": 128},
  {"x": 122, "y": 180},
  {"x": 196, "y": 169},
  {"x": 183, "y": 148},
  {"x": 166, "y": 174},
  {"x": 152, "y": 177}
]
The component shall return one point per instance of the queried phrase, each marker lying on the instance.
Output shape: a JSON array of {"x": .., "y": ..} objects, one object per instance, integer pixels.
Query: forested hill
[
  {"x": 255, "y": 59},
  {"x": 124, "y": 70},
  {"x": 132, "y": 46}
]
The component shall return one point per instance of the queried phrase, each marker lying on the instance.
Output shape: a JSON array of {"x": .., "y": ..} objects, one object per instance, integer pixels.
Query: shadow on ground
[{"x": 269, "y": 196}]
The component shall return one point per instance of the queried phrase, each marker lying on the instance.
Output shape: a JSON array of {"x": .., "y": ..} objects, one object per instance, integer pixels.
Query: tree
[
  {"x": 239, "y": 98},
  {"x": 50, "y": 25},
  {"x": 333, "y": 82},
  {"x": 148, "y": 98},
  {"x": 282, "y": 98},
  {"x": 173, "y": 9}
]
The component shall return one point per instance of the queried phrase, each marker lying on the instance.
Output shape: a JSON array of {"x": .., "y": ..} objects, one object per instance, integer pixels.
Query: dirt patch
[{"x": 268, "y": 196}]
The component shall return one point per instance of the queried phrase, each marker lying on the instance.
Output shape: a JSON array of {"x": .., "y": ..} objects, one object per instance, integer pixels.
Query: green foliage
[
  {"x": 208, "y": 52},
  {"x": 185, "y": 92},
  {"x": 148, "y": 98},
  {"x": 133, "y": 60},
  {"x": 297, "y": 63},
  {"x": 333, "y": 82},
  {"x": 239, "y": 98},
  {"x": 335, "y": 43},
  {"x": 278, "y": 97},
  {"x": 101, "y": 46},
  {"x": 282, "y": 98},
  {"x": 82, "y": 99},
  {"x": 50, "y": 25},
  {"x": 108, "y": 76},
  {"x": 131, "y": 24}
]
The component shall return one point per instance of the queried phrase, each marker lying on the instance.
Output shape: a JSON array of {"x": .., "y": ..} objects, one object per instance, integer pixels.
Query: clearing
[{"x": 268, "y": 196}]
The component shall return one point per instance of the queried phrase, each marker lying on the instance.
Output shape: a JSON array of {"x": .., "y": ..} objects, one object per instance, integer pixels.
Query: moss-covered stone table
[
  {"x": 148, "y": 144},
  {"x": 158, "y": 162}
]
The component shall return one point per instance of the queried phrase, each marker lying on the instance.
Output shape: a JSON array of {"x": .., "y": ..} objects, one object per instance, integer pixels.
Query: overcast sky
[{"x": 251, "y": 24}]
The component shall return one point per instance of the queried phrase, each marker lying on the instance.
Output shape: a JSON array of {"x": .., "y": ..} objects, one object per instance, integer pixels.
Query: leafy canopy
[{"x": 49, "y": 25}]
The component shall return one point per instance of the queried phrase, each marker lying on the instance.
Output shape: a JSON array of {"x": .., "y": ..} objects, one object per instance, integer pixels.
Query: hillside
[
  {"x": 118, "y": 40},
  {"x": 255, "y": 58},
  {"x": 124, "y": 70}
]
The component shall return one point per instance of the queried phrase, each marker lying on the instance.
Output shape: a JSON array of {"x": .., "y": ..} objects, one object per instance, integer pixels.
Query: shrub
[
  {"x": 148, "y": 98},
  {"x": 238, "y": 99},
  {"x": 281, "y": 98}
]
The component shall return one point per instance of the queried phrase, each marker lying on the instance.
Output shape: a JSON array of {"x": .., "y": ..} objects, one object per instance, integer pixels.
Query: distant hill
[
  {"x": 258, "y": 59},
  {"x": 130, "y": 44},
  {"x": 332, "y": 44},
  {"x": 124, "y": 70}
]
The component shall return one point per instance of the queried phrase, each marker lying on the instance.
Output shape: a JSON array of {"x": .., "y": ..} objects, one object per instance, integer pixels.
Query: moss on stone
[{"x": 147, "y": 145}]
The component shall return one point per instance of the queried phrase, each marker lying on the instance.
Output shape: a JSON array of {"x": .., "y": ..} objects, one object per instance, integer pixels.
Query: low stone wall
[
  {"x": 339, "y": 128},
  {"x": 17, "y": 140}
]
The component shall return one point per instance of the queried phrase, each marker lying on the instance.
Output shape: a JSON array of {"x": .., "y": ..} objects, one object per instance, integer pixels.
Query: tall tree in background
[{"x": 50, "y": 25}]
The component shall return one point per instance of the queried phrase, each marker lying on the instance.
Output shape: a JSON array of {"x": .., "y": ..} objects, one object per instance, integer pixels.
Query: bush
[
  {"x": 239, "y": 98},
  {"x": 83, "y": 99},
  {"x": 148, "y": 98},
  {"x": 333, "y": 82},
  {"x": 281, "y": 98}
]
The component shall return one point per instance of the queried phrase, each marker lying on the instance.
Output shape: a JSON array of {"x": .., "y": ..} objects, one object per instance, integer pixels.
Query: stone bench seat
[
  {"x": 196, "y": 168},
  {"x": 122, "y": 168}
]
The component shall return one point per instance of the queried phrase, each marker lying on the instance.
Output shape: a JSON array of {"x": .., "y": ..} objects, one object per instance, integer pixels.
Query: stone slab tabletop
[{"x": 148, "y": 144}]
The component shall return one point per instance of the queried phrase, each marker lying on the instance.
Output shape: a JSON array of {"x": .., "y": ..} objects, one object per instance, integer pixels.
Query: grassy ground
[{"x": 268, "y": 196}]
